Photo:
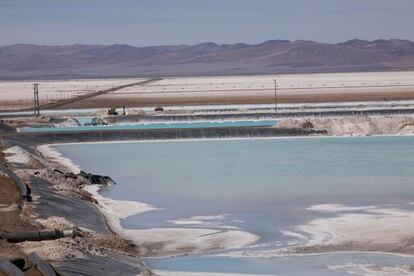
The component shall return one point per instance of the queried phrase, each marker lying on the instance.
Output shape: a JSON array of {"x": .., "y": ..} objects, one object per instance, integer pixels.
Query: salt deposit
[
  {"x": 261, "y": 82},
  {"x": 260, "y": 89},
  {"x": 19, "y": 94},
  {"x": 355, "y": 125},
  {"x": 118, "y": 209},
  {"x": 331, "y": 208},
  {"x": 374, "y": 270},
  {"x": 206, "y": 221},
  {"x": 17, "y": 155},
  {"x": 174, "y": 240},
  {"x": 55, "y": 156},
  {"x": 184, "y": 273},
  {"x": 21, "y": 90},
  {"x": 371, "y": 229}
]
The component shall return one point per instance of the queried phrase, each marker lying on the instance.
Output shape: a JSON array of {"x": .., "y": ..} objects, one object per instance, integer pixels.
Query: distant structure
[{"x": 36, "y": 102}]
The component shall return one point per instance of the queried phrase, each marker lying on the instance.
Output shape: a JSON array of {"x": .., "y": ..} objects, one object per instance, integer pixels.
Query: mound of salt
[{"x": 17, "y": 155}]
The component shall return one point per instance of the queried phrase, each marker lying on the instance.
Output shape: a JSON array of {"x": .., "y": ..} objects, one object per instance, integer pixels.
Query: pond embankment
[{"x": 57, "y": 201}]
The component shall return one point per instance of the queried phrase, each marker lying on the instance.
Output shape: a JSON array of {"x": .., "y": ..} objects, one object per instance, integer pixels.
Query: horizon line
[{"x": 209, "y": 42}]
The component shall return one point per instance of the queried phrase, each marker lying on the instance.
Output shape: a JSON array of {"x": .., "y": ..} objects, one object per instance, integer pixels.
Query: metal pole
[
  {"x": 36, "y": 99},
  {"x": 275, "y": 96}
]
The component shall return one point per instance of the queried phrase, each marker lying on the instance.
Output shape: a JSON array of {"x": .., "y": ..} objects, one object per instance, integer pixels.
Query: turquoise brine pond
[
  {"x": 257, "y": 185},
  {"x": 148, "y": 126}
]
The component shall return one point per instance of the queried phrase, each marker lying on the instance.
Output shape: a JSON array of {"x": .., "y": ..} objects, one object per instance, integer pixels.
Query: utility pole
[
  {"x": 36, "y": 103},
  {"x": 275, "y": 96}
]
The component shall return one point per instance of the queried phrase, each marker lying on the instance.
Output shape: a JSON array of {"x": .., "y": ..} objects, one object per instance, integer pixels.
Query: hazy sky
[{"x": 157, "y": 22}]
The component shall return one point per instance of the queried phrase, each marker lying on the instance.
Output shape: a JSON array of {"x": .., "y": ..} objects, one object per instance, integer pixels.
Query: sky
[{"x": 168, "y": 22}]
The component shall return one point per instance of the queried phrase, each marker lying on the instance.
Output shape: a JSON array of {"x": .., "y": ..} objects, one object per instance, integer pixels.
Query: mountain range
[{"x": 28, "y": 61}]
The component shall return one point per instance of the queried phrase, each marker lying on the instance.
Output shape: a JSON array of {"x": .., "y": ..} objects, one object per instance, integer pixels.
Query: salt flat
[
  {"x": 19, "y": 94},
  {"x": 296, "y": 81},
  {"x": 260, "y": 89}
]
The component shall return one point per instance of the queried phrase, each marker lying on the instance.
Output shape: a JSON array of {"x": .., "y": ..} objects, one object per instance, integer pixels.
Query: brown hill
[{"x": 24, "y": 61}]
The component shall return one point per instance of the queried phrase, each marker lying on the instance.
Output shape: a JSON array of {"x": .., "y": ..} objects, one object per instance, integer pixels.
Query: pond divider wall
[
  {"x": 221, "y": 116},
  {"x": 161, "y": 134},
  {"x": 192, "y": 117}
]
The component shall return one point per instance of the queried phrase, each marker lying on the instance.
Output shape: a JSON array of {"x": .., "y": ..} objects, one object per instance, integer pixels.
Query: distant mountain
[{"x": 27, "y": 61}]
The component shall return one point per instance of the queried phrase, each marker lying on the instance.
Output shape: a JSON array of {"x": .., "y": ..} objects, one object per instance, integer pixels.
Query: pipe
[{"x": 40, "y": 235}]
